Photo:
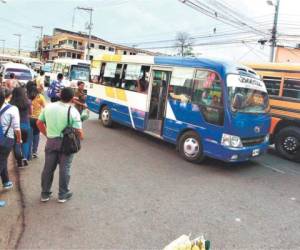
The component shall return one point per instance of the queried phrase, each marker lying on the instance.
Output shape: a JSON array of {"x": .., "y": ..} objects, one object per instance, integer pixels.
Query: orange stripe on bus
[
  {"x": 285, "y": 104},
  {"x": 285, "y": 113}
]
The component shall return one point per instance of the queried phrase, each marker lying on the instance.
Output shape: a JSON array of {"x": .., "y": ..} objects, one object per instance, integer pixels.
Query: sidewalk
[{"x": 12, "y": 214}]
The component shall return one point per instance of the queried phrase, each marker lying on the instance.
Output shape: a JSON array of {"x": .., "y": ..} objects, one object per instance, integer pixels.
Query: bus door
[{"x": 158, "y": 98}]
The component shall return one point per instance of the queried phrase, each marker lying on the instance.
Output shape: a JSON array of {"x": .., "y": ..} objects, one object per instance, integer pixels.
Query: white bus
[{"x": 74, "y": 70}]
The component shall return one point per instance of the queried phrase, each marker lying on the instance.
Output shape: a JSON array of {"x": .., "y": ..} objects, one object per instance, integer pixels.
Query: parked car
[{"x": 22, "y": 73}]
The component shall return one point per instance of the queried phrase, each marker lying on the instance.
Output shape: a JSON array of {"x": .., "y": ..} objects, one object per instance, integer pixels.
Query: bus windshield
[
  {"x": 81, "y": 73},
  {"x": 247, "y": 95},
  {"x": 20, "y": 74},
  {"x": 47, "y": 67}
]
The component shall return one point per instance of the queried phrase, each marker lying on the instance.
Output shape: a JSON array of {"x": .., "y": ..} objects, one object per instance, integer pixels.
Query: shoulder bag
[{"x": 70, "y": 142}]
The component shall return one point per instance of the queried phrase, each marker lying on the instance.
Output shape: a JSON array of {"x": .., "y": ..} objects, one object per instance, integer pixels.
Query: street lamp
[
  {"x": 3, "y": 45},
  {"x": 19, "y": 36},
  {"x": 41, "y": 45}
]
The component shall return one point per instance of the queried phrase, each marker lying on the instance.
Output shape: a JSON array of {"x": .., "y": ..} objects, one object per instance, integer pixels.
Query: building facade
[
  {"x": 69, "y": 44},
  {"x": 284, "y": 55}
]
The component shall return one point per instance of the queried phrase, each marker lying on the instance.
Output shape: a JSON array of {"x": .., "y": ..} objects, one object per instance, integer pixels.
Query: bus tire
[
  {"x": 105, "y": 117},
  {"x": 190, "y": 147},
  {"x": 287, "y": 143}
]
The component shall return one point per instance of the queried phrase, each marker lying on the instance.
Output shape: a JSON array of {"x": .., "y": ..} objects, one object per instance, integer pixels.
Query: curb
[{"x": 13, "y": 214}]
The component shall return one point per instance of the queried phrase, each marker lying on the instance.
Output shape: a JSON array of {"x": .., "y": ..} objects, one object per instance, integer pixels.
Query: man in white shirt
[{"x": 10, "y": 126}]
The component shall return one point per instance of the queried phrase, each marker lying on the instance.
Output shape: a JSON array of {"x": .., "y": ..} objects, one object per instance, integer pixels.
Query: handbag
[
  {"x": 18, "y": 151},
  {"x": 5, "y": 141},
  {"x": 85, "y": 115},
  {"x": 70, "y": 142}
]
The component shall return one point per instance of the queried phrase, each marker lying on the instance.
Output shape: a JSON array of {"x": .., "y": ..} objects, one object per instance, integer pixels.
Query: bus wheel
[
  {"x": 105, "y": 116},
  {"x": 287, "y": 143},
  {"x": 190, "y": 147}
]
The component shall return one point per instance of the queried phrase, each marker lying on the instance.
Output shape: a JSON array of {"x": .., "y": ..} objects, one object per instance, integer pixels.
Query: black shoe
[
  {"x": 65, "y": 198},
  {"x": 25, "y": 162},
  {"x": 46, "y": 197}
]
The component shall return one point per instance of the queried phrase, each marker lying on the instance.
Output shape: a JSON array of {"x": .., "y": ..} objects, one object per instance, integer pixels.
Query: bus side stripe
[
  {"x": 170, "y": 114},
  {"x": 285, "y": 114},
  {"x": 285, "y": 104}
]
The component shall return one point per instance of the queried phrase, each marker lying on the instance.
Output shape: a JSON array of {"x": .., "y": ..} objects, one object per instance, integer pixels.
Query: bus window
[
  {"x": 291, "y": 88},
  {"x": 65, "y": 71},
  {"x": 208, "y": 95},
  {"x": 111, "y": 74},
  {"x": 135, "y": 78},
  {"x": 181, "y": 84},
  {"x": 272, "y": 84}
]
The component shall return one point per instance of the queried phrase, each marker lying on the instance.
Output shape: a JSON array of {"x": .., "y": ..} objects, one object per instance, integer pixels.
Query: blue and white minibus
[{"x": 205, "y": 107}]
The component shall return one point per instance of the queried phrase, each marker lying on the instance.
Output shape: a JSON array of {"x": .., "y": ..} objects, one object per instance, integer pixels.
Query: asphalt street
[{"x": 132, "y": 191}]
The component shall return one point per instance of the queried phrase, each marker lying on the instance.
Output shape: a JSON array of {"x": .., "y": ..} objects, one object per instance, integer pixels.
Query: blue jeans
[
  {"x": 35, "y": 139},
  {"x": 25, "y": 128},
  {"x": 4, "y": 153}
]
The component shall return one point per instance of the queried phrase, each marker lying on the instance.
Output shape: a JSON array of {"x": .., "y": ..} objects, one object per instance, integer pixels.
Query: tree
[{"x": 184, "y": 44}]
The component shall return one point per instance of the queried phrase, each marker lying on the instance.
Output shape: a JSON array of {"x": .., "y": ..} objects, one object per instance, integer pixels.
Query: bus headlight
[
  {"x": 267, "y": 138},
  {"x": 231, "y": 141}
]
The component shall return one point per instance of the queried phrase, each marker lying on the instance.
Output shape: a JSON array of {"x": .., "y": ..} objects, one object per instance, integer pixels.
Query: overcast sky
[{"x": 135, "y": 22}]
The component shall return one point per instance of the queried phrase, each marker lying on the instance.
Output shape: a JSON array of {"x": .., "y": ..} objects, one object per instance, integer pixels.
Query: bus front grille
[{"x": 253, "y": 141}]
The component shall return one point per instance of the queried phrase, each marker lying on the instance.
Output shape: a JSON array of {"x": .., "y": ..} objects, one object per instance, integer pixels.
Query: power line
[{"x": 220, "y": 16}]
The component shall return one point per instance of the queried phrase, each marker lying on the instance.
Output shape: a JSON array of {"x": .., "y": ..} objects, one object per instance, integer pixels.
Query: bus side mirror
[{"x": 237, "y": 102}]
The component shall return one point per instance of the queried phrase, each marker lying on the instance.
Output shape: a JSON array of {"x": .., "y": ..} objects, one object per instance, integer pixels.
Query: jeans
[
  {"x": 4, "y": 153},
  {"x": 54, "y": 157},
  {"x": 35, "y": 139},
  {"x": 25, "y": 128}
]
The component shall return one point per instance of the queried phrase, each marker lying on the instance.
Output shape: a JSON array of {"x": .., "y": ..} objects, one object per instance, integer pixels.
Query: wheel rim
[
  {"x": 105, "y": 115},
  {"x": 290, "y": 144},
  {"x": 191, "y": 147}
]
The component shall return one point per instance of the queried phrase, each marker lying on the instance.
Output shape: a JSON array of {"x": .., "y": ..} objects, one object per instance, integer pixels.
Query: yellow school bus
[{"x": 282, "y": 81}]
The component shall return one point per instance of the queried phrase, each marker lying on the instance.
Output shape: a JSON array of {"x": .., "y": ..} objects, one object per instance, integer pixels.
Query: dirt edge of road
[{"x": 13, "y": 214}]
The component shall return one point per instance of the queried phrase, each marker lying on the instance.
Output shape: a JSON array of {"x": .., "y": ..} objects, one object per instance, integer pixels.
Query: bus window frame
[
  {"x": 287, "y": 97},
  {"x": 223, "y": 89}
]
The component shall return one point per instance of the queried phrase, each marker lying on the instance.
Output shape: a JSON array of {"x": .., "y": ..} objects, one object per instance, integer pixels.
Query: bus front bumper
[{"x": 229, "y": 154}]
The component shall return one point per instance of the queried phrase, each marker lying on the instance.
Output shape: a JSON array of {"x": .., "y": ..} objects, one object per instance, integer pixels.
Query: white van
[{"x": 22, "y": 73}]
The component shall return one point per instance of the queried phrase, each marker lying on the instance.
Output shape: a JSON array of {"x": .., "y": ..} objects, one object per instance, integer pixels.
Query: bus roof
[
  {"x": 274, "y": 66},
  {"x": 217, "y": 65},
  {"x": 71, "y": 61}
]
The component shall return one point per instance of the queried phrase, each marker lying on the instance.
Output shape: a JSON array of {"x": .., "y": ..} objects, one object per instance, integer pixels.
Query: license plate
[{"x": 255, "y": 152}]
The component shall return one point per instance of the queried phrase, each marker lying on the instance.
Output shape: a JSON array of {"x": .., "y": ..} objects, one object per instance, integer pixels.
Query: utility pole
[
  {"x": 3, "y": 45},
  {"x": 90, "y": 10},
  {"x": 19, "y": 43},
  {"x": 73, "y": 17},
  {"x": 41, "y": 44},
  {"x": 274, "y": 29}
]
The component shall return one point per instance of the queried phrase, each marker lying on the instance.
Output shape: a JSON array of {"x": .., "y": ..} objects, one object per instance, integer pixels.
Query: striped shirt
[{"x": 57, "y": 85}]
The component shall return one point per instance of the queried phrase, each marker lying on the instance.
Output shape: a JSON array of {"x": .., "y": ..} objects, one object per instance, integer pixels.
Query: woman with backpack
[
  {"x": 20, "y": 100},
  {"x": 9, "y": 127}
]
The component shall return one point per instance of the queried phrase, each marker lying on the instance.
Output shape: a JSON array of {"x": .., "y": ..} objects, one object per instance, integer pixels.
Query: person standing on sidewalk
[
  {"x": 40, "y": 81},
  {"x": 52, "y": 121},
  {"x": 20, "y": 100},
  {"x": 38, "y": 103},
  {"x": 10, "y": 126}
]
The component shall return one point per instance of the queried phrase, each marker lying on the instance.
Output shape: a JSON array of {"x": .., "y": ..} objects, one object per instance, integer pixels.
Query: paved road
[{"x": 133, "y": 191}]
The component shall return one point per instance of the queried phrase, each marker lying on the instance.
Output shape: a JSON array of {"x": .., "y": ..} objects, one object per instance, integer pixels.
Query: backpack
[
  {"x": 70, "y": 142},
  {"x": 4, "y": 140},
  {"x": 51, "y": 93}
]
